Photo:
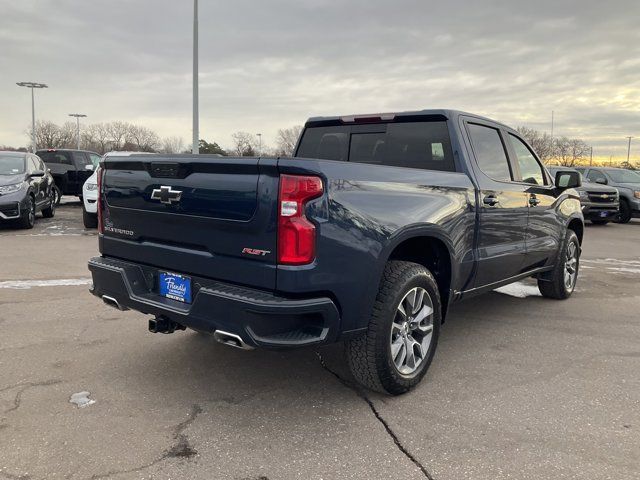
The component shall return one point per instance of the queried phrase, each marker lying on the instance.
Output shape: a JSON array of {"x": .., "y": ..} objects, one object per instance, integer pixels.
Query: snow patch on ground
[
  {"x": 26, "y": 284},
  {"x": 519, "y": 290},
  {"x": 81, "y": 399}
]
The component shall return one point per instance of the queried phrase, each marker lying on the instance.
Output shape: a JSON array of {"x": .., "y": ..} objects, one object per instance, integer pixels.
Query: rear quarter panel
[{"x": 367, "y": 211}]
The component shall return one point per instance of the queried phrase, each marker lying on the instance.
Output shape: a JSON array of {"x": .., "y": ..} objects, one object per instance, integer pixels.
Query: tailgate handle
[{"x": 164, "y": 169}]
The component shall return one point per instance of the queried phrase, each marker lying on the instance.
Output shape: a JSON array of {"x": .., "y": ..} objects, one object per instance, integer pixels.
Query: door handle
[
  {"x": 490, "y": 200},
  {"x": 533, "y": 201}
]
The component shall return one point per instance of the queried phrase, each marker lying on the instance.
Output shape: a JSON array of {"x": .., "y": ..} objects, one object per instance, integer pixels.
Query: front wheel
[
  {"x": 625, "y": 212},
  {"x": 565, "y": 274},
  {"x": 28, "y": 219},
  {"x": 90, "y": 220},
  {"x": 401, "y": 338}
]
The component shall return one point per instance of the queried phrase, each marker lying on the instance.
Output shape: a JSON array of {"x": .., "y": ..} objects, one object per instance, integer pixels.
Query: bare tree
[
  {"x": 244, "y": 144},
  {"x": 570, "y": 151},
  {"x": 119, "y": 133},
  {"x": 172, "y": 145},
  {"x": 143, "y": 139},
  {"x": 542, "y": 143},
  {"x": 287, "y": 139},
  {"x": 47, "y": 134}
]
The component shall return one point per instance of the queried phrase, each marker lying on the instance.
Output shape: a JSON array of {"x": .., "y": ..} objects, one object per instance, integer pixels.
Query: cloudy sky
[{"x": 268, "y": 64}]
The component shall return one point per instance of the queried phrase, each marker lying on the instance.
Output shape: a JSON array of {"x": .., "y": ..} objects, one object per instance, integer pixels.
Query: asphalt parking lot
[{"x": 521, "y": 387}]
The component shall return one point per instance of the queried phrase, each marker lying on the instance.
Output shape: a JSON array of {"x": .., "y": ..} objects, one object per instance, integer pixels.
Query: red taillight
[
  {"x": 296, "y": 234},
  {"x": 99, "y": 202}
]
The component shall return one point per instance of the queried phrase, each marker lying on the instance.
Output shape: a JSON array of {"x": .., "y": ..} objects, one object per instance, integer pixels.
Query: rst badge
[{"x": 255, "y": 251}]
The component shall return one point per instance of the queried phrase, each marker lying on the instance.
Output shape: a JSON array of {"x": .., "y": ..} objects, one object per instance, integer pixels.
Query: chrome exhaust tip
[
  {"x": 231, "y": 339},
  {"x": 112, "y": 302}
]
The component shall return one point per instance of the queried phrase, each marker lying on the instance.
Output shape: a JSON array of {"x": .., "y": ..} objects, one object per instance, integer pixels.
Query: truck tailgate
[{"x": 207, "y": 216}]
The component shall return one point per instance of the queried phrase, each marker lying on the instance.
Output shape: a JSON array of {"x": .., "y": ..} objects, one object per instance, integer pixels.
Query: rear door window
[
  {"x": 490, "y": 152},
  {"x": 423, "y": 145}
]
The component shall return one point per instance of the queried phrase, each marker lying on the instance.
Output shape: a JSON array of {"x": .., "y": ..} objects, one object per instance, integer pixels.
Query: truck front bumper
[
  {"x": 259, "y": 318},
  {"x": 599, "y": 211}
]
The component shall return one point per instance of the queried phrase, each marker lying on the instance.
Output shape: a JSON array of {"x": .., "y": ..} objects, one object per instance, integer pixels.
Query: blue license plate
[
  {"x": 176, "y": 287},
  {"x": 604, "y": 214}
]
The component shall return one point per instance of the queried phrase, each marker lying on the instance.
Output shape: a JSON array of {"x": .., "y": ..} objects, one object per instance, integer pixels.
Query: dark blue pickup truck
[{"x": 367, "y": 236}]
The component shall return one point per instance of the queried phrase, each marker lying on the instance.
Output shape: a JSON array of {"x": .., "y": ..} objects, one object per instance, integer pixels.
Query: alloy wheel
[
  {"x": 571, "y": 266},
  {"x": 412, "y": 331}
]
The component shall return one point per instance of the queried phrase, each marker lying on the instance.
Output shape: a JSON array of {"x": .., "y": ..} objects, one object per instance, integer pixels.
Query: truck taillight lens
[
  {"x": 99, "y": 202},
  {"x": 296, "y": 234}
]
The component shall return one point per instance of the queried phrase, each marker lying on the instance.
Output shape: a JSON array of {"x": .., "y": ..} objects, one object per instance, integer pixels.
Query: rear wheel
[
  {"x": 90, "y": 220},
  {"x": 396, "y": 351},
  {"x": 565, "y": 273},
  {"x": 28, "y": 219},
  {"x": 57, "y": 194},
  {"x": 625, "y": 212}
]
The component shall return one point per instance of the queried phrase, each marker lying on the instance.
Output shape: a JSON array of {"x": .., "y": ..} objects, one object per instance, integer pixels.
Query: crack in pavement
[
  {"x": 180, "y": 449},
  {"x": 379, "y": 417},
  {"x": 26, "y": 386}
]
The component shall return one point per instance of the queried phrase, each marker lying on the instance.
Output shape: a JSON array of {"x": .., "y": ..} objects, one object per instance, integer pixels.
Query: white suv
[{"x": 90, "y": 191}]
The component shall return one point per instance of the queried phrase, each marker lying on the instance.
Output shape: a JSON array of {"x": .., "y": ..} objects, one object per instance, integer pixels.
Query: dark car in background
[
  {"x": 69, "y": 168},
  {"x": 600, "y": 203},
  {"x": 26, "y": 188},
  {"x": 626, "y": 181}
]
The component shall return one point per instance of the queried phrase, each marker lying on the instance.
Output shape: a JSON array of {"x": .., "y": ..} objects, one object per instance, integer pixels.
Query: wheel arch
[
  {"x": 577, "y": 225},
  {"x": 431, "y": 249}
]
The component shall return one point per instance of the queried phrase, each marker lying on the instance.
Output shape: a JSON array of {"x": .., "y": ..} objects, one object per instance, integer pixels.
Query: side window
[
  {"x": 530, "y": 168},
  {"x": 81, "y": 160},
  {"x": 595, "y": 175},
  {"x": 95, "y": 159},
  {"x": 490, "y": 153}
]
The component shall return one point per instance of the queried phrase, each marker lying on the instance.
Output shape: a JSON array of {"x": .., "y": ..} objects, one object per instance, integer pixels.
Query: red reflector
[
  {"x": 99, "y": 202},
  {"x": 296, "y": 234}
]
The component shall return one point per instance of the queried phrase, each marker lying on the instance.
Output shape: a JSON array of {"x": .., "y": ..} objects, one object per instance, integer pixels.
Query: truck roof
[{"x": 445, "y": 114}]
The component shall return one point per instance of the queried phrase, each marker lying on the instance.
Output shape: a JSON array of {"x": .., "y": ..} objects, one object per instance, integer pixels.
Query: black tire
[
  {"x": 28, "y": 219},
  {"x": 599, "y": 222},
  {"x": 90, "y": 220},
  {"x": 57, "y": 194},
  {"x": 625, "y": 212},
  {"x": 556, "y": 285},
  {"x": 50, "y": 211},
  {"x": 370, "y": 355}
]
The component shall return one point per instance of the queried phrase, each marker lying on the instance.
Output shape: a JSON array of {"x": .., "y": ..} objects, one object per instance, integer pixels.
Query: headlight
[
  {"x": 636, "y": 194},
  {"x": 91, "y": 186},
  {"x": 10, "y": 188}
]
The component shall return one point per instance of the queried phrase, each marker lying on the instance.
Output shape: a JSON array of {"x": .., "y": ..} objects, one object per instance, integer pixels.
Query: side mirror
[
  {"x": 567, "y": 179},
  {"x": 89, "y": 167},
  {"x": 601, "y": 180},
  {"x": 37, "y": 173}
]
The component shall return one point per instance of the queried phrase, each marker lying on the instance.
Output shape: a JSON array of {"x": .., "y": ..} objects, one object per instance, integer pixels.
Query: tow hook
[{"x": 164, "y": 325}]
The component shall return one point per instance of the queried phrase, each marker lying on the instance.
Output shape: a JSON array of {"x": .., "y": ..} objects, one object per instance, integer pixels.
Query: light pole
[
  {"x": 259, "y": 135},
  {"x": 628, "y": 149},
  {"x": 33, "y": 85},
  {"x": 196, "y": 119},
  {"x": 78, "y": 116}
]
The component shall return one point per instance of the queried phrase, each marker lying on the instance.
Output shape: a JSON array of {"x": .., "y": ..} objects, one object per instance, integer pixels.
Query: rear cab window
[
  {"x": 56, "y": 157},
  {"x": 416, "y": 144}
]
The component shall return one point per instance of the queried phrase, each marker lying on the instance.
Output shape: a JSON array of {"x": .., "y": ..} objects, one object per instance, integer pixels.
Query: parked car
[
  {"x": 25, "y": 188},
  {"x": 600, "y": 203},
  {"x": 70, "y": 168},
  {"x": 626, "y": 181},
  {"x": 368, "y": 236},
  {"x": 90, "y": 194}
]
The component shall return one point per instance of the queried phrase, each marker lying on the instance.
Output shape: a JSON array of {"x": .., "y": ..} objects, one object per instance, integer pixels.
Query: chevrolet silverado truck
[{"x": 367, "y": 236}]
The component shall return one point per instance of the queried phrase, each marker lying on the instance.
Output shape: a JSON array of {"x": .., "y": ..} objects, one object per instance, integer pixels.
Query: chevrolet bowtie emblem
[{"x": 166, "y": 195}]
